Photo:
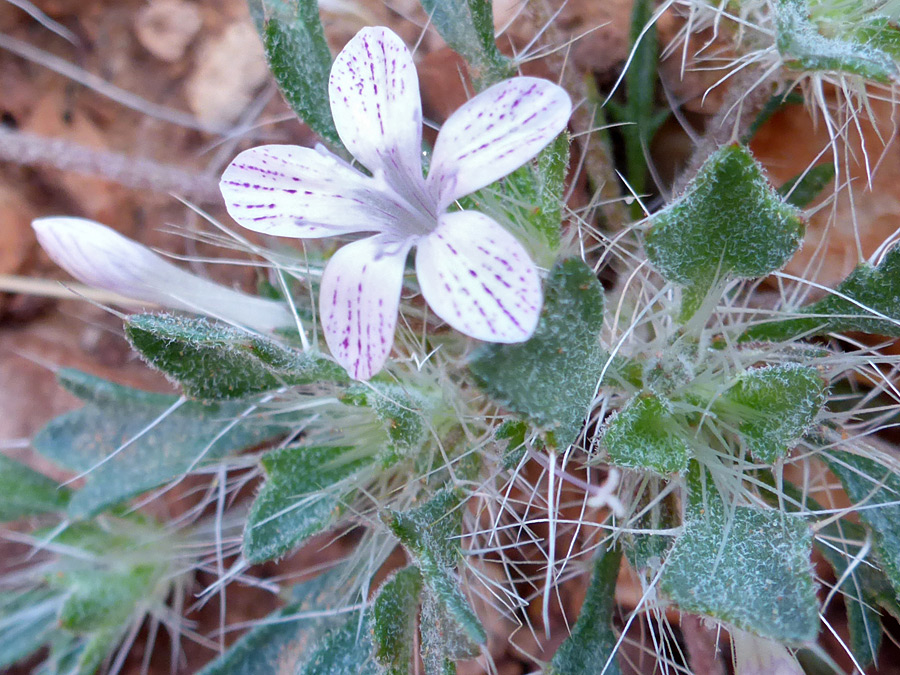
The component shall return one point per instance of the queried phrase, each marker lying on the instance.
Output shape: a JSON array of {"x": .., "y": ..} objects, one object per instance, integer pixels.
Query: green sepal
[
  {"x": 730, "y": 223},
  {"x": 401, "y": 410},
  {"x": 104, "y": 599},
  {"x": 590, "y": 648},
  {"x": 306, "y": 491},
  {"x": 552, "y": 377}
]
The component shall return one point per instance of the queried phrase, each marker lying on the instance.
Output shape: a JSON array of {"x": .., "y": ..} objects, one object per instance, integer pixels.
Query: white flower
[
  {"x": 101, "y": 257},
  {"x": 474, "y": 274}
]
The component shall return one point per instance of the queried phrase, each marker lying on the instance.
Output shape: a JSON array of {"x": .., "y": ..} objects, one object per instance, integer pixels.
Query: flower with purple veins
[{"x": 473, "y": 274}]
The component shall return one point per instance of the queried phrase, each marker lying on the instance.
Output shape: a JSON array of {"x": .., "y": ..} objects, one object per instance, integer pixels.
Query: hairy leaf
[
  {"x": 551, "y": 378},
  {"x": 773, "y": 407},
  {"x": 305, "y": 491},
  {"x": 400, "y": 409},
  {"x": 347, "y": 650},
  {"x": 300, "y": 60},
  {"x": 589, "y": 648},
  {"x": 867, "y": 480},
  {"x": 645, "y": 435},
  {"x": 25, "y": 492},
  {"x": 26, "y": 622},
  {"x": 730, "y": 223},
  {"x": 103, "y": 598},
  {"x": 468, "y": 27},
  {"x": 803, "y": 189},
  {"x": 394, "y": 620},
  {"x": 280, "y": 641},
  {"x": 131, "y": 441},
  {"x": 745, "y": 566},
  {"x": 213, "y": 361},
  {"x": 868, "y": 301},
  {"x": 431, "y": 533},
  {"x": 803, "y": 47}
]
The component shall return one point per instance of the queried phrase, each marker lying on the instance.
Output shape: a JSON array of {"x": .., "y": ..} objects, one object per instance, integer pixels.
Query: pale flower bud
[{"x": 100, "y": 257}]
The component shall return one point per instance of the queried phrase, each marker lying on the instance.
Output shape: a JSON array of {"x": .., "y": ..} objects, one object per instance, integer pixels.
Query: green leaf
[
  {"x": 97, "y": 649},
  {"x": 103, "y": 599},
  {"x": 867, "y": 481},
  {"x": 399, "y": 408},
  {"x": 773, "y": 407},
  {"x": 305, "y": 491},
  {"x": 551, "y": 378},
  {"x": 431, "y": 534},
  {"x": 745, "y": 566},
  {"x": 468, "y": 27},
  {"x": 803, "y": 189},
  {"x": 213, "y": 361},
  {"x": 867, "y": 301},
  {"x": 394, "y": 620},
  {"x": 645, "y": 435},
  {"x": 27, "y": 620},
  {"x": 589, "y": 649},
  {"x": 513, "y": 431},
  {"x": 165, "y": 439},
  {"x": 444, "y": 641},
  {"x": 277, "y": 644},
  {"x": 345, "y": 651},
  {"x": 730, "y": 223},
  {"x": 803, "y": 47},
  {"x": 300, "y": 60},
  {"x": 25, "y": 492}
]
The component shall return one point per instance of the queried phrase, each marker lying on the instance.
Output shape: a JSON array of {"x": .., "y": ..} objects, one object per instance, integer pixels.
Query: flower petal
[
  {"x": 100, "y": 257},
  {"x": 358, "y": 301},
  {"x": 374, "y": 92},
  {"x": 478, "y": 278},
  {"x": 495, "y": 133},
  {"x": 291, "y": 191}
]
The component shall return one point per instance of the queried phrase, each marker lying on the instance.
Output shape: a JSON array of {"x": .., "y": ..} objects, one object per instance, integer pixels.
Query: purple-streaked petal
[
  {"x": 495, "y": 133},
  {"x": 358, "y": 301},
  {"x": 99, "y": 256},
  {"x": 374, "y": 92},
  {"x": 291, "y": 191},
  {"x": 478, "y": 278}
]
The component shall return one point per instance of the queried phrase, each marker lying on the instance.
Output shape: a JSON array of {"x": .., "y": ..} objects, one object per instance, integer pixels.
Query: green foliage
[
  {"x": 801, "y": 190},
  {"x": 513, "y": 431},
  {"x": 744, "y": 566},
  {"x": 299, "y": 58},
  {"x": 589, "y": 650},
  {"x": 213, "y": 361},
  {"x": 773, "y": 407},
  {"x": 279, "y": 642},
  {"x": 730, "y": 223},
  {"x": 306, "y": 490},
  {"x": 102, "y": 598},
  {"x": 639, "y": 115},
  {"x": 131, "y": 441},
  {"x": 867, "y": 481},
  {"x": 431, "y": 534},
  {"x": 26, "y": 623},
  {"x": 551, "y": 379},
  {"x": 394, "y": 620},
  {"x": 400, "y": 409},
  {"x": 468, "y": 27},
  {"x": 347, "y": 650},
  {"x": 803, "y": 46},
  {"x": 645, "y": 435},
  {"x": 868, "y": 301},
  {"x": 25, "y": 492}
]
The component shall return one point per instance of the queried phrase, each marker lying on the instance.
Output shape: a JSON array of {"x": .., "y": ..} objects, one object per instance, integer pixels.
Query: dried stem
[{"x": 142, "y": 174}]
